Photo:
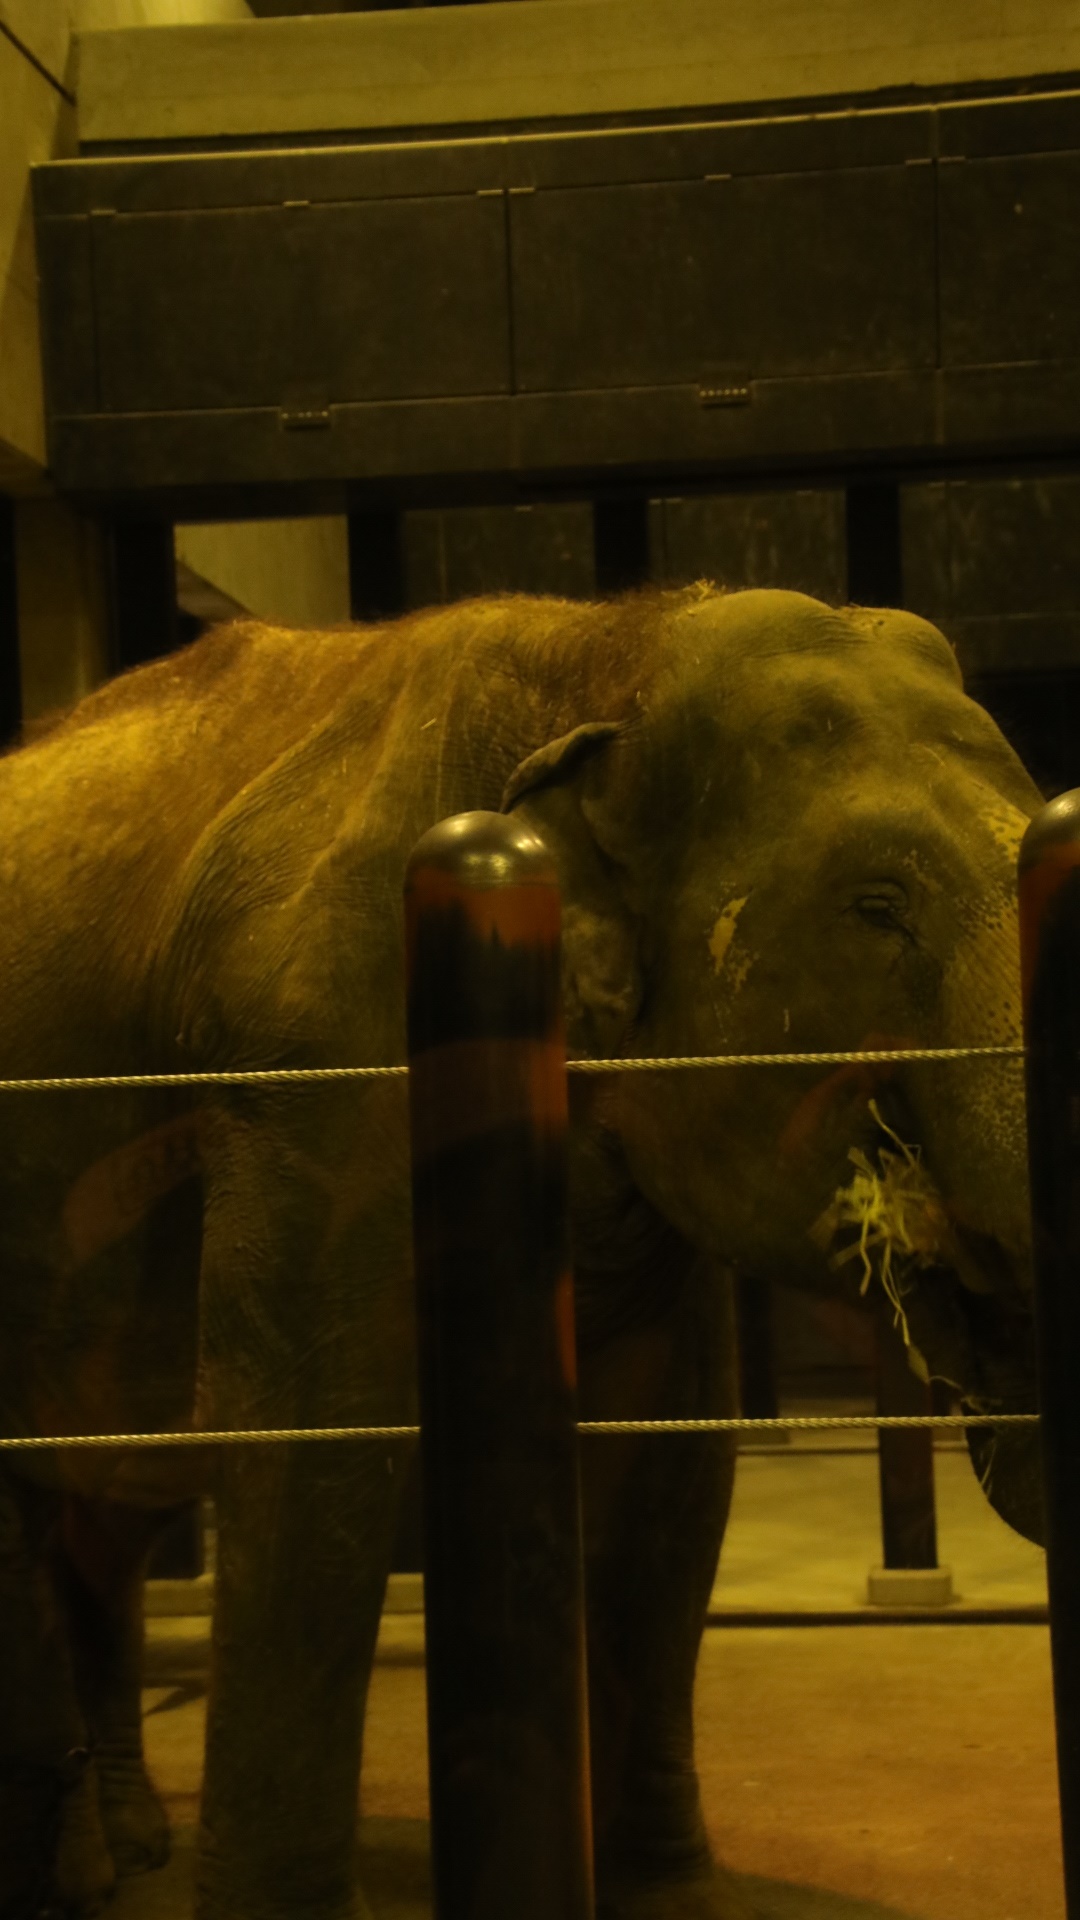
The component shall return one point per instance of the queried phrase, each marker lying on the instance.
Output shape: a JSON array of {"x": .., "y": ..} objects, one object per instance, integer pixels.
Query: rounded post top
[
  {"x": 1052, "y": 830},
  {"x": 482, "y": 850}
]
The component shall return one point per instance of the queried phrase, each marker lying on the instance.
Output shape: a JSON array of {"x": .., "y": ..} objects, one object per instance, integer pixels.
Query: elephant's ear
[
  {"x": 560, "y": 791},
  {"x": 558, "y": 759}
]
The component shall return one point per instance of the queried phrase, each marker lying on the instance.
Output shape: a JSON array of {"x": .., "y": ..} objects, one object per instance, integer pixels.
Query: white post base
[{"x": 909, "y": 1587}]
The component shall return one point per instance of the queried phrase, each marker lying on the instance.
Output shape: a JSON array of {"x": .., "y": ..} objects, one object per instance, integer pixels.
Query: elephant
[{"x": 779, "y": 827}]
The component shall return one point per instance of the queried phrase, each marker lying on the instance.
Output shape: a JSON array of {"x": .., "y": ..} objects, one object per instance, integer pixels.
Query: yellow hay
[{"x": 900, "y": 1218}]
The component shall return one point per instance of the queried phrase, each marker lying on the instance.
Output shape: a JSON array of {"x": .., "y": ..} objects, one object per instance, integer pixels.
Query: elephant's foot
[
  {"x": 85, "y": 1873},
  {"x": 53, "y": 1853},
  {"x": 654, "y": 1862},
  {"x": 711, "y": 1894},
  {"x": 220, "y": 1906},
  {"x": 220, "y": 1896},
  {"x": 135, "y": 1822}
]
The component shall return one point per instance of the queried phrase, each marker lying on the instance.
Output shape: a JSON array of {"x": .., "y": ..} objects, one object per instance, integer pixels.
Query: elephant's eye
[{"x": 882, "y": 909}]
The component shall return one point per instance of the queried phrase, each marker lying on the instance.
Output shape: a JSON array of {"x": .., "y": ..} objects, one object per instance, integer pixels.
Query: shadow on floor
[
  {"x": 394, "y": 1856},
  {"x": 773, "y": 1900}
]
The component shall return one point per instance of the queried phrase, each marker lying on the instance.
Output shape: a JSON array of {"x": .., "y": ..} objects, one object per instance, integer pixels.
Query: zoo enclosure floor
[
  {"x": 852, "y": 1772},
  {"x": 805, "y": 1530},
  {"x": 895, "y": 1773}
]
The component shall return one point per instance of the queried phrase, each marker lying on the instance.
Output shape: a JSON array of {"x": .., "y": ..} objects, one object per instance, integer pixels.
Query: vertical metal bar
[
  {"x": 507, "y": 1717},
  {"x": 377, "y": 585},
  {"x": 905, "y": 1460},
  {"x": 875, "y": 563},
  {"x": 1050, "y": 966},
  {"x": 757, "y": 1356},
  {"x": 143, "y": 591},
  {"x": 621, "y": 542}
]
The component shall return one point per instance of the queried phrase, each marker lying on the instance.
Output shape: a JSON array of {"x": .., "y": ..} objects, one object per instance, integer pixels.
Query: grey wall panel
[
  {"x": 252, "y": 306},
  {"x": 453, "y": 553},
  {"x": 1031, "y": 123},
  {"x": 776, "y": 422},
  {"x": 801, "y": 273},
  {"x": 65, "y": 259},
  {"x": 395, "y": 444},
  {"x": 834, "y": 273},
  {"x": 608, "y": 285},
  {"x": 422, "y": 166},
  {"x": 924, "y": 532},
  {"x": 219, "y": 452},
  {"x": 649, "y": 304},
  {"x": 176, "y": 183},
  {"x": 996, "y": 564},
  {"x": 776, "y": 539},
  {"x": 1022, "y": 644},
  {"x": 1010, "y": 259},
  {"x": 1019, "y": 406}
]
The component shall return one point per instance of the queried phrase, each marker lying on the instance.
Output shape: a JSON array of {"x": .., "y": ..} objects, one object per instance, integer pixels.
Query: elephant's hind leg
[
  {"x": 101, "y": 1566},
  {"x": 53, "y": 1852}
]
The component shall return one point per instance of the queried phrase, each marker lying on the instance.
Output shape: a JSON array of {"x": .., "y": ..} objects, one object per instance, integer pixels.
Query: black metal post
[
  {"x": 875, "y": 563},
  {"x": 905, "y": 1459},
  {"x": 621, "y": 542},
  {"x": 757, "y": 1358},
  {"x": 1050, "y": 965},
  {"x": 376, "y": 564},
  {"x": 507, "y": 1717},
  {"x": 142, "y": 591}
]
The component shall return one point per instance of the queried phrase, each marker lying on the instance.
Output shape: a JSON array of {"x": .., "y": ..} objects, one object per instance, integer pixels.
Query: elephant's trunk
[
  {"x": 971, "y": 1113},
  {"x": 971, "y": 1118},
  {"x": 1009, "y": 1465}
]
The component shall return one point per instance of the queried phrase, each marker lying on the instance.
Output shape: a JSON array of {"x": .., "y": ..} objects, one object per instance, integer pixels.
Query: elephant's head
[{"x": 804, "y": 839}]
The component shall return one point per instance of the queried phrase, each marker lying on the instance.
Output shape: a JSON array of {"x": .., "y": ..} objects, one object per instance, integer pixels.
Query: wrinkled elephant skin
[{"x": 779, "y": 828}]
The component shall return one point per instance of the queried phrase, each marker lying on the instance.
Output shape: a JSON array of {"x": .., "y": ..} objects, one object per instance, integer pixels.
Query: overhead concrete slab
[
  {"x": 538, "y": 59},
  {"x": 94, "y": 15}
]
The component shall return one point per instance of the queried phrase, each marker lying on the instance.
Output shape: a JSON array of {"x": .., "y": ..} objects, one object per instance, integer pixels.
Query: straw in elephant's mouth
[{"x": 899, "y": 1220}]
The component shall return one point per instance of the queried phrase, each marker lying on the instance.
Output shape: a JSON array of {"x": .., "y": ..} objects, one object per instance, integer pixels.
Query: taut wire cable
[
  {"x": 286, "y": 1076},
  {"x": 315, "y": 1075},
  {"x": 264, "y": 1436}
]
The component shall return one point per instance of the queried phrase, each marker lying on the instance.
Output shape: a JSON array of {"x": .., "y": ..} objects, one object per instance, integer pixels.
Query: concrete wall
[
  {"x": 208, "y": 68},
  {"x": 295, "y": 572},
  {"x": 60, "y": 556},
  {"x": 535, "y": 58},
  {"x": 93, "y": 15},
  {"x": 62, "y": 605},
  {"x": 37, "y": 122}
]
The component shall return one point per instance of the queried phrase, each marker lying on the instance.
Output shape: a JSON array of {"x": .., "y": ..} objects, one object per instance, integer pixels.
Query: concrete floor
[
  {"x": 856, "y": 1771},
  {"x": 805, "y": 1530}
]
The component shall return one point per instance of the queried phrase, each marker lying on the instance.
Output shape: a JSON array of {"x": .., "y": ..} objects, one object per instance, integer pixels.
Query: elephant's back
[
  {"x": 291, "y": 756},
  {"x": 102, "y": 809}
]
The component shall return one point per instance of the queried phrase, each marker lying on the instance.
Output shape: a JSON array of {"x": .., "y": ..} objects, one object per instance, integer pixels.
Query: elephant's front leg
[
  {"x": 304, "y": 1542},
  {"x": 655, "y": 1510},
  {"x": 306, "y": 1323}
]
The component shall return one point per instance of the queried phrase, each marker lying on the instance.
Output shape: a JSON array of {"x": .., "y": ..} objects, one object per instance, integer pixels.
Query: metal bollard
[
  {"x": 1050, "y": 966},
  {"x": 507, "y": 1713},
  {"x": 905, "y": 1460}
]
